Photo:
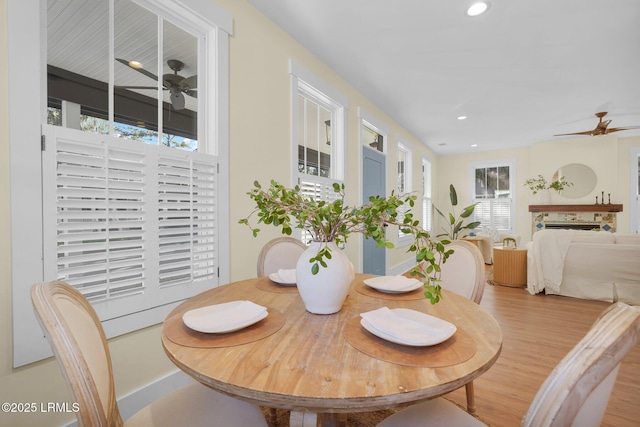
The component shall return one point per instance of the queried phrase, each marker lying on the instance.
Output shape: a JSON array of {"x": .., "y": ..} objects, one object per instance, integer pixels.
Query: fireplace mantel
[
  {"x": 576, "y": 208},
  {"x": 577, "y": 217}
]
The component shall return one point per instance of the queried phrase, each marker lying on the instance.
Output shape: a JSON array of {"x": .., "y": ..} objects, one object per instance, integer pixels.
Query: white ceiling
[{"x": 522, "y": 72}]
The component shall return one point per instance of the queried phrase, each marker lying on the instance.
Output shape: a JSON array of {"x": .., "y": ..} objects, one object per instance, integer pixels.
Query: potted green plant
[
  {"x": 455, "y": 222},
  {"x": 331, "y": 223}
]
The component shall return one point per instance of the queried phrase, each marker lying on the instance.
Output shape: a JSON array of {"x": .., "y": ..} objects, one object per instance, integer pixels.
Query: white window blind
[
  {"x": 427, "y": 204},
  {"x": 316, "y": 188},
  {"x": 126, "y": 222},
  {"x": 493, "y": 213}
]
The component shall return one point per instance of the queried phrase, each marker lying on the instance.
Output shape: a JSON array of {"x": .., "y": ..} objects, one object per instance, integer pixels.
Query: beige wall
[
  {"x": 259, "y": 150},
  {"x": 260, "y": 127}
]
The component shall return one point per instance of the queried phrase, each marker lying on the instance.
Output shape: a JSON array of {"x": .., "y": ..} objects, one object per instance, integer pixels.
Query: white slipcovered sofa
[{"x": 585, "y": 264}]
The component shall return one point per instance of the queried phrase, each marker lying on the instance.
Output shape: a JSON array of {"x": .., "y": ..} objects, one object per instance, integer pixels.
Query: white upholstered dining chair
[
  {"x": 463, "y": 273},
  {"x": 281, "y": 252},
  {"x": 79, "y": 345},
  {"x": 576, "y": 392}
]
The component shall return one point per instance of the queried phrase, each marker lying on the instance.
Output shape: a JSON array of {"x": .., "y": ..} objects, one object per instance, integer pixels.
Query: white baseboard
[
  {"x": 133, "y": 402},
  {"x": 402, "y": 267}
]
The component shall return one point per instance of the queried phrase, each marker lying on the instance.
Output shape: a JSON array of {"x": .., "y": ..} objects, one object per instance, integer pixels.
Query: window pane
[
  {"x": 503, "y": 182},
  {"x": 77, "y": 77},
  {"x": 402, "y": 158},
  {"x": 372, "y": 139},
  {"x": 481, "y": 183},
  {"x": 314, "y": 138},
  {"x": 180, "y": 80},
  {"x": 135, "y": 73}
]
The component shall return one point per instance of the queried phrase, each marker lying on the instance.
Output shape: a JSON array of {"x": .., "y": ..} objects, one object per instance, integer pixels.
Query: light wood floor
[{"x": 538, "y": 330}]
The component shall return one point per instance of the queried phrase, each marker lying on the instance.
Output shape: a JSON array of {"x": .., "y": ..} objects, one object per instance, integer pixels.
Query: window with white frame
[
  {"x": 404, "y": 179},
  {"x": 318, "y": 123},
  {"x": 494, "y": 192},
  {"x": 427, "y": 203},
  {"x": 129, "y": 184}
]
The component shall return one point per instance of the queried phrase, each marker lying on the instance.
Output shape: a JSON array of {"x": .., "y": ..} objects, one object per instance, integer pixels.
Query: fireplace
[{"x": 575, "y": 217}]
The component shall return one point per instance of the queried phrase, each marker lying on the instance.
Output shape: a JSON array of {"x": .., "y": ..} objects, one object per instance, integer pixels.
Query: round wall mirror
[{"x": 583, "y": 178}]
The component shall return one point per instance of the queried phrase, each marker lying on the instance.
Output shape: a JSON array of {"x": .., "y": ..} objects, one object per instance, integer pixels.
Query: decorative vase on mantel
[
  {"x": 543, "y": 197},
  {"x": 324, "y": 292}
]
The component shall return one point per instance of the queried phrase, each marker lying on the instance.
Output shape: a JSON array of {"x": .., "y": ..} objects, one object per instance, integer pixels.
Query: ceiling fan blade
[
  {"x": 622, "y": 128},
  {"x": 177, "y": 100},
  {"x": 136, "y": 87},
  {"x": 191, "y": 93},
  {"x": 587, "y": 132},
  {"x": 189, "y": 83},
  {"x": 140, "y": 70}
]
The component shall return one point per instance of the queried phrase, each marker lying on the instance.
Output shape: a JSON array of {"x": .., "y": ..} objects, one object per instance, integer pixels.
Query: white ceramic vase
[
  {"x": 544, "y": 197},
  {"x": 325, "y": 292}
]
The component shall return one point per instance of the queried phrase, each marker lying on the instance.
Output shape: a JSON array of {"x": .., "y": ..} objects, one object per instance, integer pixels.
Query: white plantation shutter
[
  {"x": 187, "y": 226},
  {"x": 427, "y": 211},
  {"x": 126, "y": 222},
  {"x": 317, "y": 188},
  {"x": 494, "y": 213},
  {"x": 501, "y": 213}
]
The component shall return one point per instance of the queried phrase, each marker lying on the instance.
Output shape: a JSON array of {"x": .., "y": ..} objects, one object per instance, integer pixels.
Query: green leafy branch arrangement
[
  {"x": 540, "y": 183},
  {"x": 334, "y": 221}
]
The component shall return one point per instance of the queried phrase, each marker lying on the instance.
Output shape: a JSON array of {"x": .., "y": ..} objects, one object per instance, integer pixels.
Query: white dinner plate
[
  {"x": 275, "y": 277},
  {"x": 439, "y": 330},
  {"x": 378, "y": 283},
  {"x": 225, "y": 317}
]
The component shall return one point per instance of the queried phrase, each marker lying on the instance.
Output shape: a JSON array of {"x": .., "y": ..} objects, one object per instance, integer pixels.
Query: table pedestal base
[{"x": 311, "y": 419}]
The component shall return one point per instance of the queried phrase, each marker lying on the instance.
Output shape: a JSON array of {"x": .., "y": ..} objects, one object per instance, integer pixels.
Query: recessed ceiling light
[
  {"x": 474, "y": 145},
  {"x": 135, "y": 64},
  {"x": 462, "y": 117},
  {"x": 477, "y": 8}
]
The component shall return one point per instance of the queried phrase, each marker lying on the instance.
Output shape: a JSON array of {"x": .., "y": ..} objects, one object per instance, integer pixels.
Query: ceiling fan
[
  {"x": 177, "y": 85},
  {"x": 602, "y": 127}
]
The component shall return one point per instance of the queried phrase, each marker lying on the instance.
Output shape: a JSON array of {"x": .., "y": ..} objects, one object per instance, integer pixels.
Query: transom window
[{"x": 372, "y": 137}]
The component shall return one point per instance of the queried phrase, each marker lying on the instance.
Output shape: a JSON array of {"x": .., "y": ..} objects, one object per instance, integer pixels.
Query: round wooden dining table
[{"x": 329, "y": 364}]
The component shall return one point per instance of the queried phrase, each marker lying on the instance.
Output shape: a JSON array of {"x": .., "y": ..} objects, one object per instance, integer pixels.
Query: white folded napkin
[
  {"x": 222, "y": 316},
  {"x": 406, "y": 330},
  {"x": 397, "y": 283},
  {"x": 287, "y": 276}
]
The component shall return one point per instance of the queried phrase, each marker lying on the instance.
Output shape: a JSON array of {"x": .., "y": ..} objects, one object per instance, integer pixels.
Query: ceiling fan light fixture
[
  {"x": 136, "y": 65},
  {"x": 477, "y": 8}
]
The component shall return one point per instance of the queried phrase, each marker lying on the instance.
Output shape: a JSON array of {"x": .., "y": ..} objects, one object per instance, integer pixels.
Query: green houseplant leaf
[{"x": 456, "y": 222}]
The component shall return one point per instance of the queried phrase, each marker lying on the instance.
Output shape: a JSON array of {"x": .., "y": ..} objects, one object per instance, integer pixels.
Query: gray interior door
[{"x": 373, "y": 178}]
